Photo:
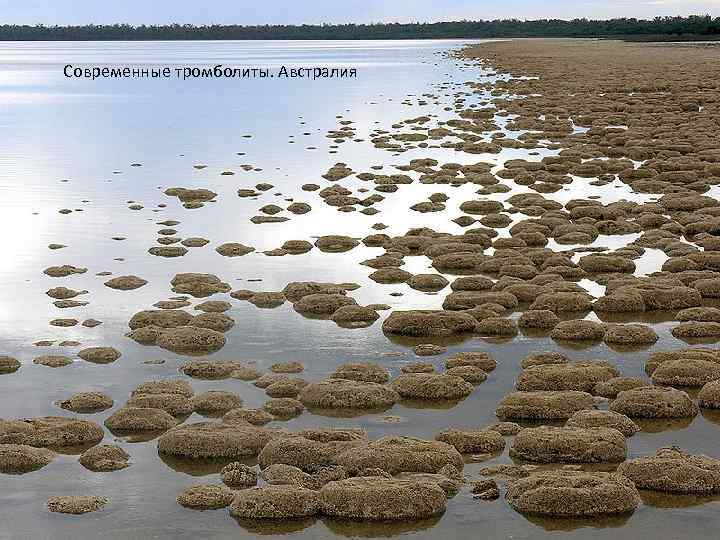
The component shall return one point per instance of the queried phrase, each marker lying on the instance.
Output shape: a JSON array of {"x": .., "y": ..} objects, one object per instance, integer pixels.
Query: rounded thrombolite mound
[
  {"x": 216, "y": 401},
  {"x": 164, "y": 386},
  {"x": 138, "y": 419},
  {"x": 709, "y": 395},
  {"x": 99, "y": 355},
  {"x": 256, "y": 417},
  {"x": 376, "y": 498},
  {"x": 428, "y": 282},
  {"x": 543, "y": 319},
  {"x": 573, "y": 494},
  {"x": 657, "y": 358},
  {"x": 280, "y": 474},
  {"x": 578, "y": 330},
  {"x": 590, "y": 419},
  {"x": 431, "y": 386},
  {"x": 335, "y": 243},
  {"x": 206, "y": 497},
  {"x": 8, "y": 364},
  {"x": 612, "y": 387},
  {"x": 275, "y": 502},
  {"x": 238, "y": 475},
  {"x": 581, "y": 376},
  {"x": 479, "y": 359},
  {"x": 214, "y": 306},
  {"x": 354, "y": 316},
  {"x": 234, "y": 249},
  {"x": 485, "y": 441},
  {"x": 125, "y": 283},
  {"x": 311, "y": 450},
  {"x": 160, "y": 318},
  {"x": 210, "y": 369},
  {"x": 361, "y": 371},
  {"x": 21, "y": 458},
  {"x": 50, "y": 432},
  {"x": 691, "y": 372},
  {"x": 400, "y": 454},
  {"x": 105, "y": 458},
  {"x": 322, "y": 304},
  {"x": 543, "y": 405},
  {"x": 428, "y": 323},
  {"x": 86, "y": 402},
  {"x": 76, "y": 504},
  {"x": 672, "y": 470},
  {"x": 52, "y": 360},
  {"x": 191, "y": 340},
  {"x": 654, "y": 402},
  {"x": 283, "y": 408},
  {"x": 544, "y": 358},
  {"x": 630, "y": 334},
  {"x": 696, "y": 329},
  {"x": 428, "y": 349},
  {"x": 198, "y": 285},
  {"x": 214, "y": 440},
  {"x": 471, "y": 374},
  {"x": 496, "y": 326},
  {"x": 287, "y": 367},
  {"x": 347, "y": 394},
  {"x": 549, "y": 444}
]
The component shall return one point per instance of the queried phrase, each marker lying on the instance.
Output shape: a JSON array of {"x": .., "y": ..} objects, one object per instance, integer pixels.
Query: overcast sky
[{"x": 62, "y": 12}]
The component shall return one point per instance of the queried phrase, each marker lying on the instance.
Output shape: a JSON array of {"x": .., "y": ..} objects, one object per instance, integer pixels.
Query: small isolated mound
[
  {"x": 198, "y": 285},
  {"x": 548, "y": 444},
  {"x": 543, "y": 319},
  {"x": 206, "y": 497},
  {"x": 216, "y": 401},
  {"x": 578, "y": 330},
  {"x": 191, "y": 340},
  {"x": 428, "y": 282},
  {"x": 347, "y": 394},
  {"x": 609, "y": 419},
  {"x": 581, "y": 376},
  {"x": 99, "y": 355},
  {"x": 428, "y": 323},
  {"x": 275, "y": 502},
  {"x": 654, "y": 402},
  {"x": 354, "y": 316},
  {"x": 696, "y": 329},
  {"x": 234, "y": 249},
  {"x": 287, "y": 367},
  {"x": 86, "y": 402},
  {"x": 479, "y": 359},
  {"x": 105, "y": 458},
  {"x": 544, "y": 405},
  {"x": 486, "y": 441},
  {"x": 709, "y": 395},
  {"x": 139, "y": 419},
  {"x": 53, "y": 360},
  {"x": 428, "y": 349},
  {"x": 125, "y": 283},
  {"x": 322, "y": 304},
  {"x": 238, "y": 475},
  {"x": 690, "y": 372},
  {"x": 209, "y": 369},
  {"x": 612, "y": 387},
  {"x": 400, "y": 454},
  {"x": 21, "y": 458},
  {"x": 560, "y": 302},
  {"x": 361, "y": 371},
  {"x": 214, "y": 440},
  {"x": 430, "y": 386},
  {"x": 672, "y": 470},
  {"x": 544, "y": 358},
  {"x": 213, "y": 321},
  {"x": 375, "y": 498},
  {"x": 573, "y": 494},
  {"x": 630, "y": 334},
  {"x": 335, "y": 243},
  {"x": 8, "y": 364},
  {"x": 76, "y": 504},
  {"x": 50, "y": 432}
]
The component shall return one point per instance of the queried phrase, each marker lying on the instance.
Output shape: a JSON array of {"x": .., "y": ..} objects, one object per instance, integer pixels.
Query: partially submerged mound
[
  {"x": 709, "y": 395},
  {"x": 400, "y": 454},
  {"x": 428, "y": 323},
  {"x": 238, "y": 475},
  {"x": 138, "y": 419},
  {"x": 8, "y": 364},
  {"x": 99, "y": 355},
  {"x": 86, "y": 402},
  {"x": 215, "y": 401},
  {"x": 164, "y": 386},
  {"x": 206, "y": 497},
  {"x": 275, "y": 502},
  {"x": 160, "y": 318},
  {"x": 361, "y": 371},
  {"x": 654, "y": 402},
  {"x": 543, "y": 358},
  {"x": 191, "y": 340},
  {"x": 543, "y": 405},
  {"x": 591, "y": 418},
  {"x": 21, "y": 458},
  {"x": 105, "y": 458},
  {"x": 548, "y": 444},
  {"x": 210, "y": 369},
  {"x": 214, "y": 440},
  {"x": 335, "y": 243},
  {"x": 479, "y": 359},
  {"x": 431, "y": 387},
  {"x": 50, "y": 432},
  {"x": 256, "y": 417},
  {"x": 322, "y": 304},
  {"x": 76, "y": 504},
  {"x": 354, "y": 316},
  {"x": 348, "y": 394},
  {"x": 198, "y": 285},
  {"x": 612, "y": 387},
  {"x": 672, "y": 470},
  {"x": 234, "y": 249},
  {"x": 691, "y": 372},
  {"x": 125, "y": 283},
  {"x": 311, "y": 450},
  {"x": 543, "y": 319},
  {"x": 573, "y": 494},
  {"x": 578, "y": 330},
  {"x": 581, "y": 376},
  {"x": 486, "y": 441},
  {"x": 375, "y": 498},
  {"x": 630, "y": 334}
]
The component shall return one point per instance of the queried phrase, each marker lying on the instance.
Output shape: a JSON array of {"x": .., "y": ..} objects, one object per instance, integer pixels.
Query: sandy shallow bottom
[{"x": 106, "y": 128}]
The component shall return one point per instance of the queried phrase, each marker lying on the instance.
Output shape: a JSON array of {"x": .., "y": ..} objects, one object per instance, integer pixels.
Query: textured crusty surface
[
  {"x": 590, "y": 419},
  {"x": 105, "y": 458},
  {"x": 378, "y": 498},
  {"x": 672, "y": 470},
  {"x": 709, "y": 395},
  {"x": 206, "y": 497},
  {"x": 582, "y": 376},
  {"x": 50, "y": 432},
  {"x": 347, "y": 394},
  {"x": 76, "y": 504},
  {"x": 654, "y": 402},
  {"x": 573, "y": 494},
  {"x": 238, "y": 474},
  {"x": 275, "y": 502},
  {"x": 431, "y": 387},
  {"x": 543, "y": 405},
  {"x": 134, "y": 419},
  {"x": 468, "y": 441},
  {"x": 21, "y": 458},
  {"x": 309, "y": 453},
  {"x": 549, "y": 444},
  {"x": 428, "y": 323},
  {"x": 214, "y": 439}
]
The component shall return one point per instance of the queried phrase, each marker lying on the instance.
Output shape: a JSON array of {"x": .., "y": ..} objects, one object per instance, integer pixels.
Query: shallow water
[{"x": 70, "y": 144}]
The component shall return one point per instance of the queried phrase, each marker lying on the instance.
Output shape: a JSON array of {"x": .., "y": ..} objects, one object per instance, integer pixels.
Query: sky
[{"x": 64, "y": 12}]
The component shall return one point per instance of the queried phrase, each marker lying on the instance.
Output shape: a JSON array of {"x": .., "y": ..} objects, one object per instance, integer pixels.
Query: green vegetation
[{"x": 659, "y": 28}]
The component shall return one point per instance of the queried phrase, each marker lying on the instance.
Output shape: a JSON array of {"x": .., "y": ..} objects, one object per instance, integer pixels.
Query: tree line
[{"x": 660, "y": 28}]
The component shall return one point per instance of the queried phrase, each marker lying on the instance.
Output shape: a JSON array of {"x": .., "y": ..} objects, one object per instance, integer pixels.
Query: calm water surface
[{"x": 68, "y": 143}]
